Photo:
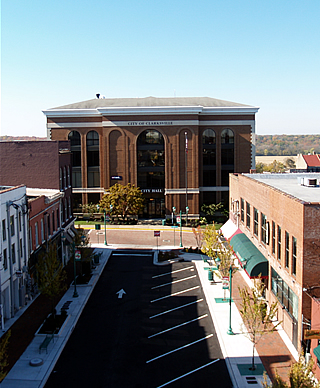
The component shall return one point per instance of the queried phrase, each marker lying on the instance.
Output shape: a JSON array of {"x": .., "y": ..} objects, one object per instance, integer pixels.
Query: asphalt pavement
[{"x": 33, "y": 369}]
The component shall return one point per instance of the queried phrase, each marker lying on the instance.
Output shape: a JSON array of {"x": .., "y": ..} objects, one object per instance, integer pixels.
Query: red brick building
[
  {"x": 279, "y": 216},
  {"x": 179, "y": 151}
]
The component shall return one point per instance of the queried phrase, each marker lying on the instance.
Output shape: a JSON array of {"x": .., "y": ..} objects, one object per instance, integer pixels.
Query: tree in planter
[
  {"x": 123, "y": 200},
  {"x": 198, "y": 235},
  {"x": 4, "y": 354},
  {"x": 257, "y": 318},
  {"x": 301, "y": 375},
  {"x": 210, "y": 241},
  {"x": 89, "y": 208},
  {"x": 51, "y": 275}
]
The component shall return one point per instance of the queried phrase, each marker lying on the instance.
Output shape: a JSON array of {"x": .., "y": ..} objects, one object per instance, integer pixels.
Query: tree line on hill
[{"x": 287, "y": 144}]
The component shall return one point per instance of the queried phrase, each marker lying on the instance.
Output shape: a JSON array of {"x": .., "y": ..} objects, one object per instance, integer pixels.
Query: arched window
[
  {"x": 227, "y": 155},
  {"x": 75, "y": 146},
  {"x": 227, "y": 136},
  {"x": 93, "y": 159},
  {"x": 150, "y": 149},
  {"x": 209, "y": 157}
]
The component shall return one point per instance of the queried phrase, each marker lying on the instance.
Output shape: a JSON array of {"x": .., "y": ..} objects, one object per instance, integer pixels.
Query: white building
[{"x": 14, "y": 249}]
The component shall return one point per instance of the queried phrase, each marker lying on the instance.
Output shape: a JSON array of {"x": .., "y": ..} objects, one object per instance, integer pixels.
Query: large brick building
[
  {"x": 152, "y": 142},
  {"x": 278, "y": 215}
]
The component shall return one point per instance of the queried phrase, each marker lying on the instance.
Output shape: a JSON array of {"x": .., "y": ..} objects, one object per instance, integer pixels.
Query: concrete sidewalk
[{"x": 237, "y": 349}]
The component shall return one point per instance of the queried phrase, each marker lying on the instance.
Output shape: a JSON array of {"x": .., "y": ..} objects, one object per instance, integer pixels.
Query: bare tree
[{"x": 257, "y": 317}]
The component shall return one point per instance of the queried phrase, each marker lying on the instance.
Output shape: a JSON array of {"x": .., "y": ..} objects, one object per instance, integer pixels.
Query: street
[{"x": 143, "y": 326}]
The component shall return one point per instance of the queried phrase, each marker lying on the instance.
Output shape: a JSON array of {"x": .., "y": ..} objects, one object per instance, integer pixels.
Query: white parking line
[
  {"x": 182, "y": 347},
  {"x": 176, "y": 293},
  {"x": 175, "y": 281},
  {"x": 189, "y": 373},
  {"x": 176, "y": 308},
  {"x": 175, "y": 327},
  {"x": 169, "y": 273}
]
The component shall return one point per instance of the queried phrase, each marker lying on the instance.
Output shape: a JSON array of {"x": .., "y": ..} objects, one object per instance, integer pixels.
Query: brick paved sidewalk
[{"x": 272, "y": 351}]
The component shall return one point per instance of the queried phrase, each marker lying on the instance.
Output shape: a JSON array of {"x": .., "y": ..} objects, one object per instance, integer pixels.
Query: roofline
[{"x": 161, "y": 110}]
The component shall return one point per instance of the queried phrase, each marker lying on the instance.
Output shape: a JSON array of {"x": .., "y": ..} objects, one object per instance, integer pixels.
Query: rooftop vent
[{"x": 309, "y": 182}]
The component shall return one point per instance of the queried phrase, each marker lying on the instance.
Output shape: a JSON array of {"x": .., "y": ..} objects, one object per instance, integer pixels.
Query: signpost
[{"x": 156, "y": 233}]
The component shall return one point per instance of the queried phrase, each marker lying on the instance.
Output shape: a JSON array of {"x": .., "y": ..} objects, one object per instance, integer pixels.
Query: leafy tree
[
  {"x": 89, "y": 208},
  {"x": 51, "y": 275},
  {"x": 4, "y": 354},
  {"x": 301, "y": 375},
  {"x": 256, "y": 316},
  {"x": 214, "y": 248},
  {"x": 289, "y": 162},
  {"x": 211, "y": 209},
  {"x": 124, "y": 200}
]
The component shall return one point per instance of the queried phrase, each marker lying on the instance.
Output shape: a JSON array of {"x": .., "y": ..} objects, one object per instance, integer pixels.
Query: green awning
[
  {"x": 246, "y": 250},
  {"x": 316, "y": 352}
]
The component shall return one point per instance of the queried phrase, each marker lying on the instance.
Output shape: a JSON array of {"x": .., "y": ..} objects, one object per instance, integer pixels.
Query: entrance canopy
[
  {"x": 229, "y": 229},
  {"x": 253, "y": 260}
]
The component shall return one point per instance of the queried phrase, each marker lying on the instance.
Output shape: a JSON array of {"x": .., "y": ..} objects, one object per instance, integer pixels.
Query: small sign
[
  {"x": 121, "y": 293},
  {"x": 225, "y": 283},
  {"x": 19, "y": 274},
  {"x": 311, "y": 334},
  {"x": 178, "y": 219},
  {"x": 156, "y": 233},
  {"x": 117, "y": 177},
  {"x": 77, "y": 255}
]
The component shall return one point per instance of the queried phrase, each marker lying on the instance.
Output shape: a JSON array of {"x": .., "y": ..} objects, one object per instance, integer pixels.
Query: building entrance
[{"x": 154, "y": 208}]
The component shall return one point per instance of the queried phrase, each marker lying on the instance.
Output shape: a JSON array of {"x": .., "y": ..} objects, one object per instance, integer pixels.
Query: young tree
[
  {"x": 300, "y": 376},
  {"x": 51, "y": 275},
  {"x": 211, "y": 243},
  {"x": 123, "y": 200},
  {"x": 198, "y": 235},
  {"x": 89, "y": 208},
  {"x": 4, "y": 354},
  {"x": 257, "y": 318},
  {"x": 211, "y": 209}
]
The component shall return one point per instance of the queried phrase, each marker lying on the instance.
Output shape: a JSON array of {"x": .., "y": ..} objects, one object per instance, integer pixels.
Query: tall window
[
  {"x": 209, "y": 157},
  {"x": 287, "y": 249},
  {"x": 294, "y": 256},
  {"x": 20, "y": 221},
  {"x": 273, "y": 237},
  {"x": 93, "y": 159},
  {"x": 12, "y": 225},
  {"x": 65, "y": 177},
  {"x": 21, "y": 250},
  {"x": 264, "y": 237},
  {"x": 13, "y": 253},
  {"x": 61, "y": 179},
  {"x": 48, "y": 226},
  {"x": 4, "y": 233},
  {"x": 75, "y": 147},
  {"x": 248, "y": 214},
  {"x": 69, "y": 180},
  {"x": 42, "y": 230},
  {"x": 242, "y": 209},
  {"x": 151, "y": 159},
  {"x": 256, "y": 221},
  {"x": 58, "y": 219},
  {"x": 5, "y": 259},
  {"x": 36, "y": 233},
  {"x": 227, "y": 155},
  {"x": 279, "y": 243},
  {"x": 53, "y": 223}
]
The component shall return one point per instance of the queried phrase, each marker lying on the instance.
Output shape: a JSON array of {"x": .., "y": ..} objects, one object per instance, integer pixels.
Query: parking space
[{"x": 143, "y": 326}]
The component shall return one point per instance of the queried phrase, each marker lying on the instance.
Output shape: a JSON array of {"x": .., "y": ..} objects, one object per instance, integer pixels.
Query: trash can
[
  {"x": 210, "y": 275},
  {"x": 96, "y": 259},
  {"x": 163, "y": 222}
]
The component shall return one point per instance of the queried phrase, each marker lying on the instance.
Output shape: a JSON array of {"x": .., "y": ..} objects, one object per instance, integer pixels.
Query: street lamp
[
  {"x": 173, "y": 213},
  {"x": 75, "y": 293},
  {"x": 105, "y": 227},
  {"x": 187, "y": 210},
  {"x": 230, "y": 332},
  {"x": 181, "y": 229}
]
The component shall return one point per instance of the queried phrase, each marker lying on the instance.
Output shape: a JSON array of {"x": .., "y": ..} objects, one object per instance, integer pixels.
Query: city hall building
[{"x": 178, "y": 150}]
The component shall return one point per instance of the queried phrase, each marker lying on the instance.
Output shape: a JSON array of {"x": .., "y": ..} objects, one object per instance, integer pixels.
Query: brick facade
[{"x": 298, "y": 220}]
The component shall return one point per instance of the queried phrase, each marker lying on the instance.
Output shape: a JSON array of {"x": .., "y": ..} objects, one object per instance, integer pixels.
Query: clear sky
[{"x": 263, "y": 53}]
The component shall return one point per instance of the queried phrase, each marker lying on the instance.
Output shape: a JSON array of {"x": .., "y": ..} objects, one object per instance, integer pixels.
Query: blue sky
[{"x": 255, "y": 52}]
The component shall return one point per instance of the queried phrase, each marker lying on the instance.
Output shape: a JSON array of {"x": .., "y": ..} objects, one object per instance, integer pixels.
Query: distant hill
[
  {"x": 287, "y": 145},
  {"x": 22, "y": 138}
]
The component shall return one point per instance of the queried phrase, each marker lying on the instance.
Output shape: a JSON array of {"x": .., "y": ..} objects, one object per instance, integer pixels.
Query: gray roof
[
  {"x": 290, "y": 183},
  {"x": 151, "y": 101}
]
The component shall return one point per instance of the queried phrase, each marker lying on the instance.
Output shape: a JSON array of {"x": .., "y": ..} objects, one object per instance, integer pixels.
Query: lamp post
[
  {"x": 75, "y": 293},
  {"x": 181, "y": 229},
  {"x": 105, "y": 227},
  {"x": 187, "y": 211},
  {"x": 230, "y": 332},
  {"x": 173, "y": 214}
]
